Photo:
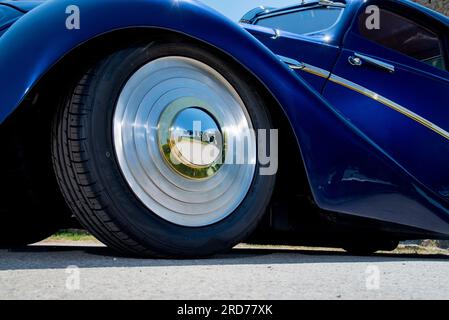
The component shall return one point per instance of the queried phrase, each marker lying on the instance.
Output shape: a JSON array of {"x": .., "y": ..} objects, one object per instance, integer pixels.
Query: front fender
[
  {"x": 40, "y": 38},
  {"x": 331, "y": 147}
]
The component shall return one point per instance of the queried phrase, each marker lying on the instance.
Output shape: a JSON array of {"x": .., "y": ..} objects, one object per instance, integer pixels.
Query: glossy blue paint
[
  {"x": 349, "y": 171},
  {"x": 7, "y": 16},
  {"x": 414, "y": 85},
  {"x": 314, "y": 51},
  {"x": 23, "y": 6},
  {"x": 319, "y": 49}
]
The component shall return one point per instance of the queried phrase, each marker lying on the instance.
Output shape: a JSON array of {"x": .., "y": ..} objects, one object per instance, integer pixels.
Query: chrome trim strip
[
  {"x": 292, "y": 63},
  {"x": 370, "y": 94},
  {"x": 316, "y": 71},
  {"x": 331, "y": 3},
  {"x": 391, "y": 104},
  {"x": 296, "y": 65}
]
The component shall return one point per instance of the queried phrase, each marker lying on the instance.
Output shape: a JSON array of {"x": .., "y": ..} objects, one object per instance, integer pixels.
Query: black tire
[
  {"x": 369, "y": 247},
  {"x": 94, "y": 186}
]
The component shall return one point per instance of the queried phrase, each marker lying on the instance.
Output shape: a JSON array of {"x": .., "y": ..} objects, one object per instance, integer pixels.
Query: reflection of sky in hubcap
[{"x": 195, "y": 138}]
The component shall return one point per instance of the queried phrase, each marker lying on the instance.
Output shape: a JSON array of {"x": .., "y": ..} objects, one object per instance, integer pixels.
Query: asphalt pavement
[{"x": 91, "y": 271}]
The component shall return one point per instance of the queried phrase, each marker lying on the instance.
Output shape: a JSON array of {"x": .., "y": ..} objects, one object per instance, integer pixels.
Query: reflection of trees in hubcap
[
  {"x": 195, "y": 144},
  {"x": 194, "y": 138}
]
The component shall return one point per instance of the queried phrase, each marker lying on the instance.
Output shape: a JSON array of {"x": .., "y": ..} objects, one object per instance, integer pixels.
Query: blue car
[{"x": 168, "y": 130}]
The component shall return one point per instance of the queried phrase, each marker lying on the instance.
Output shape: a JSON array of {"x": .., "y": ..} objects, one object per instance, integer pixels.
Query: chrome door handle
[{"x": 358, "y": 59}]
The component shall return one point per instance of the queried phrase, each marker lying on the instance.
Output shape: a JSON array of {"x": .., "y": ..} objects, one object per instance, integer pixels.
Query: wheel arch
[
  {"x": 31, "y": 66},
  {"x": 27, "y": 61},
  {"x": 78, "y": 60}
]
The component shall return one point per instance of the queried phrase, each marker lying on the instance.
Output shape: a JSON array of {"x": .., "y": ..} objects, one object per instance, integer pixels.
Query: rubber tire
[{"x": 91, "y": 180}]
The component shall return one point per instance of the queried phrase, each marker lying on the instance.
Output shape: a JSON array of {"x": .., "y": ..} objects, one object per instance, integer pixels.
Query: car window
[
  {"x": 406, "y": 37},
  {"x": 303, "y": 21}
]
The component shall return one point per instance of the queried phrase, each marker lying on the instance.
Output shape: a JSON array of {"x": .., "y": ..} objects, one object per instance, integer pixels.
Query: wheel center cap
[
  {"x": 195, "y": 138},
  {"x": 195, "y": 144}
]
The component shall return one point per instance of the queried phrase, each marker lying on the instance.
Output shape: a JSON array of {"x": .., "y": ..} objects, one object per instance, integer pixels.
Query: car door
[{"x": 392, "y": 83}]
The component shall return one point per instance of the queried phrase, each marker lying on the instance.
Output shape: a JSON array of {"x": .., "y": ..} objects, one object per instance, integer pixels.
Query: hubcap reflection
[{"x": 195, "y": 145}]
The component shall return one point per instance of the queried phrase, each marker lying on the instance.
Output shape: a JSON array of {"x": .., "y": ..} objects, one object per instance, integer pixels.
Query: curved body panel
[{"x": 348, "y": 172}]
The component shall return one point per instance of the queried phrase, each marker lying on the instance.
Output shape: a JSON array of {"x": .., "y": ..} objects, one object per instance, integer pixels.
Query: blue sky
[{"x": 235, "y": 9}]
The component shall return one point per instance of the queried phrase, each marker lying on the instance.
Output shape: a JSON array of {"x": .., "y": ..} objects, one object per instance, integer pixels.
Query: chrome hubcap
[
  {"x": 176, "y": 124},
  {"x": 193, "y": 144}
]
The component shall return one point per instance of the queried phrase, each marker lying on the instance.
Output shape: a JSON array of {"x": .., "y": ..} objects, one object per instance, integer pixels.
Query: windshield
[
  {"x": 302, "y": 21},
  {"x": 236, "y": 9}
]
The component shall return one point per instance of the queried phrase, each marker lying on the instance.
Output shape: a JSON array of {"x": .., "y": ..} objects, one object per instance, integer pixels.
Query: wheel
[
  {"x": 369, "y": 247},
  {"x": 143, "y": 149}
]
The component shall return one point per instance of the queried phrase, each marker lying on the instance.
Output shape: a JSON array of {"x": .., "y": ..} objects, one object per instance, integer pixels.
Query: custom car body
[{"x": 358, "y": 91}]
